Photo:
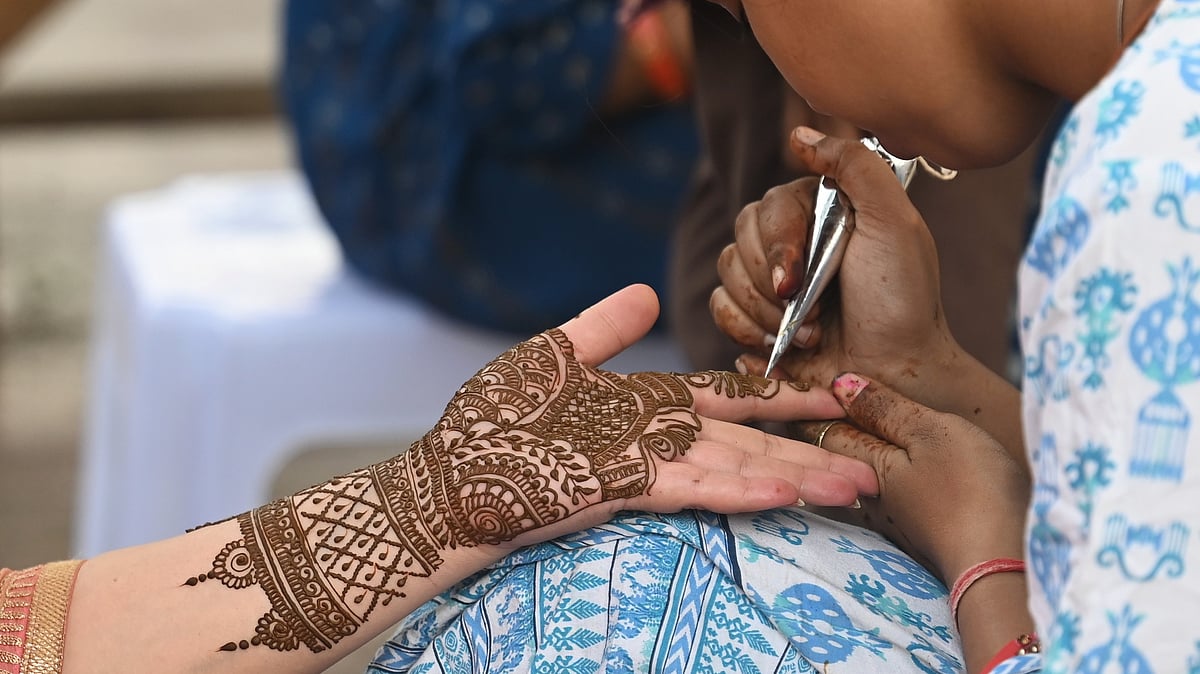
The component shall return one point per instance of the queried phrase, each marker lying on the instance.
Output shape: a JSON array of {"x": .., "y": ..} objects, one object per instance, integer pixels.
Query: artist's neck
[{"x": 1065, "y": 47}]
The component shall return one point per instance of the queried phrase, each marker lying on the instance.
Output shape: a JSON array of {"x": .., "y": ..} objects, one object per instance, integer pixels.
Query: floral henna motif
[
  {"x": 531, "y": 439},
  {"x": 737, "y": 386}
]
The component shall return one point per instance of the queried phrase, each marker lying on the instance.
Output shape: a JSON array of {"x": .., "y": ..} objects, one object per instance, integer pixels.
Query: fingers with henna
[
  {"x": 729, "y": 396},
  {"x": 782, "y": 226},
  {"x": 869, "y": 184},
  {"x": 884, "y": 413},
  {"x": 735, "y": 321},
  {"x": 739, "y": 281},
  {"x": 748, "y": 251}
]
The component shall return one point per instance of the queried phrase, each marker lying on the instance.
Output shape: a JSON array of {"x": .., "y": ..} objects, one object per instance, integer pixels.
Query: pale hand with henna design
[{"x": 539, "y": 443}]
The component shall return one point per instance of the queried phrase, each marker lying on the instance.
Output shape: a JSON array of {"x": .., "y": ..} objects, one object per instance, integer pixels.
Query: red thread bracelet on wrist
[
  {"x": 981, "y": 570},
  {"x": 1026, "y": 643}
]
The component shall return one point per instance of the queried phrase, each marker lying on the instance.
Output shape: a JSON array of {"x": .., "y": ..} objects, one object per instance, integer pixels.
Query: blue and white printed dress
[
  {"x": 1111, "y": 339},
  {"x": 781, "y": 591}
]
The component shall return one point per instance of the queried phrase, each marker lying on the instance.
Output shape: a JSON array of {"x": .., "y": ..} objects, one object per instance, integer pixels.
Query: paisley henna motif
[{"x": 532, "y": 438}]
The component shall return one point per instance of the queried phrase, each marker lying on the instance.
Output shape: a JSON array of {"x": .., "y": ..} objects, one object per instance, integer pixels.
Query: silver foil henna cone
[{"x": 828, "y": 235}]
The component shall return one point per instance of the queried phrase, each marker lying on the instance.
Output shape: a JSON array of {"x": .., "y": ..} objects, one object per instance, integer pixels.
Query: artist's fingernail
[
  {"x": 857, "y": 505},
  {"x": 770, "y": 339},
  {"x": 777, "y": 276},
  {"x": 803, "y": 334},
  {"x": 740, "y": 366},
  {"x": 847, "y": 387},
  {"x": 800, "y": 502},
  {"x": 807, "y": 136}
]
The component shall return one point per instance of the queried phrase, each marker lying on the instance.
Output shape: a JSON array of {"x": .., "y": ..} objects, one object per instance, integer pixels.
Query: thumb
[
  {"x": 883, "y": 412},
  {"x": 613, "y": 324},
  {"x": 865, "y": 178}
]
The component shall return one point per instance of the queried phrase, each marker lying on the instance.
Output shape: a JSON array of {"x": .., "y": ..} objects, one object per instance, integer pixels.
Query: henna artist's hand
[
  {"x": 888, "y": 319},
  {"x": 882, "y": 316},
  {"x": 949, "y": 494}
]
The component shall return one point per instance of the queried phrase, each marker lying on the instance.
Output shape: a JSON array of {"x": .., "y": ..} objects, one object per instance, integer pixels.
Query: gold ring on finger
[{"x": 824, "y": 430}]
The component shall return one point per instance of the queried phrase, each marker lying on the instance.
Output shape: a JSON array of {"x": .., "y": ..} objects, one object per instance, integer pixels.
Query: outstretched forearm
[
  {"x": 289, "y": 587},
  {"x": 537, "y": 444}
]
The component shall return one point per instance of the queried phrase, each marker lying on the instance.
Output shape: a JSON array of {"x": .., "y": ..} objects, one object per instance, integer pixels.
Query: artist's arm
[
  {"x": 950, "y": 496},
  {"x": 885, "y": 318},
  {"x": 539, "y": 443}
]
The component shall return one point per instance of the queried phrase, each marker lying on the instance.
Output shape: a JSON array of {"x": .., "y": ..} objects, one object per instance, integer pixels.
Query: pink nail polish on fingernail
[
  {"x": 777, "y": 276},
  {"x": 740, "y": 366},
  {"x": 847, "y": 387},
  {"x": 808, "y": 136}
]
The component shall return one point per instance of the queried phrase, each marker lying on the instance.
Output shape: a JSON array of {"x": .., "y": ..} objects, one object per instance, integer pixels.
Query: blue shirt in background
[{"x": 455, "y": 149}]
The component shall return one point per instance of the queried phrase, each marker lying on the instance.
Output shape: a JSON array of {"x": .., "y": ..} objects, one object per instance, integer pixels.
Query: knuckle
[
  {"x": 855, "y": 163},
  {"x": 728, "y": 255},
  {"x": 778, "y": 194},
  {"x": 747, "y": 218}
]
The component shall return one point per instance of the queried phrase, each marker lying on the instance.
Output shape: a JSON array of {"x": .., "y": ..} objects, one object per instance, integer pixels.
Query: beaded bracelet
[
  {"x": 1026, "y": 643},
  {"x": 981, "y": 570}
]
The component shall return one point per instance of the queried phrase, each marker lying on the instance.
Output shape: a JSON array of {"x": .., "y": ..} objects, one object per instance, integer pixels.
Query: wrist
[
  {"x": 952, "y": 568},
  {"x": 979, "y": 573},
  {"x": 992, "y": 618}
]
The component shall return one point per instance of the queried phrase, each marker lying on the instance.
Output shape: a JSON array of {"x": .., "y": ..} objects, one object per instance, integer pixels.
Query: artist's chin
[{"x": 900, "y": 147}]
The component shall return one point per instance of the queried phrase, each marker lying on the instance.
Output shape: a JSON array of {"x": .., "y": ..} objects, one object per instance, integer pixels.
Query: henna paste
[{"x": 531, "y": 439}]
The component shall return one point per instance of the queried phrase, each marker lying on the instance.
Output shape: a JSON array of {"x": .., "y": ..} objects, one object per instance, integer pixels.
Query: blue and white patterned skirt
[{"x": 779, "y": 591}]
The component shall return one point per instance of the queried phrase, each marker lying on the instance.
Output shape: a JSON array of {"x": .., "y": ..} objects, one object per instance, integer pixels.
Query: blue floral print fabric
[
  {"x": 780, "y": 591},
  {"x": 1111, "y": 340}
]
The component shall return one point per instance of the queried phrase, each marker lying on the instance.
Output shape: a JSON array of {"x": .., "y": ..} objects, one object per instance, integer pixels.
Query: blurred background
[
  {"x": 100, "y": 98},
  {"x": 164, "y": 355}
]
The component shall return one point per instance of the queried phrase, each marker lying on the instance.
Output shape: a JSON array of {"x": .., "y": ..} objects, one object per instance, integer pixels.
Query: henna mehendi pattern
[{"x": 532, "y": 438}]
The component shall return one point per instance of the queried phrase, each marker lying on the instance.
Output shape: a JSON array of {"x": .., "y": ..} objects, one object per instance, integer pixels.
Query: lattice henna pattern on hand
[{"x": 531, "y": 439}]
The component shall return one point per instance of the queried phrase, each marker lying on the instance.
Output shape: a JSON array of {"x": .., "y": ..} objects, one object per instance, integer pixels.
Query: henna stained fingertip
[{"x": 847, "y": 387}]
